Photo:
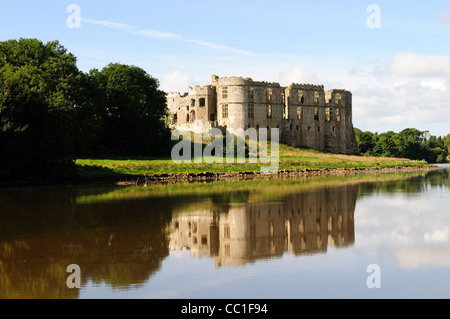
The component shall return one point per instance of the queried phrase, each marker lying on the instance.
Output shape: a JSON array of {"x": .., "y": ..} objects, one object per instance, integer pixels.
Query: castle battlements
[{"x": 306, "y": 114}]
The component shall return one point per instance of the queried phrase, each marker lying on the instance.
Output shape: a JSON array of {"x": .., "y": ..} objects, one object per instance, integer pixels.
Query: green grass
[{"x": 290, "y": 158}]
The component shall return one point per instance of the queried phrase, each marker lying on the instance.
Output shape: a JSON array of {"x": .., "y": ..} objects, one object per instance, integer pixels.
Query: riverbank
[{"x": 292, "y": 162}]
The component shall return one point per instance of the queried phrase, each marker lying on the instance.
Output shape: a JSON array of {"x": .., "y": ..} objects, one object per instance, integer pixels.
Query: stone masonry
[{"x": 306, "y": 115}]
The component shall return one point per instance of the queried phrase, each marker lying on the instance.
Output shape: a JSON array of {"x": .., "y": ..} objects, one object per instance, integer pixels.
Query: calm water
[{"x": 293, "y": 238}]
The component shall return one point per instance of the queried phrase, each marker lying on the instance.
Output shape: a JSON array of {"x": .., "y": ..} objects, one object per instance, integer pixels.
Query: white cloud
[
  {"x": 421, "y": 256},
  {"x": 298, "y": 74},
  {"x": 408, "y": 90},
  {"x": 164, "y": 35},
  {"x": 176, "y": 81},
  {"x": 436, "y": 235},
  {"x": 419, "y": 65}
]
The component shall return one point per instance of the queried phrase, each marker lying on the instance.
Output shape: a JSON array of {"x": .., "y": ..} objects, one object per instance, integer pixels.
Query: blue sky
[{"x": 399, "y": 73}]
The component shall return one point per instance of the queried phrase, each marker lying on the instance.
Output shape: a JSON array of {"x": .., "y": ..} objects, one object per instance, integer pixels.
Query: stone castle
[{"x": 305, "y": 114}]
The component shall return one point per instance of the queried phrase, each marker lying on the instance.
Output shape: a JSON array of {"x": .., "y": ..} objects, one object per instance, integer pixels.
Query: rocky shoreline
[{"x": 149, "y": 179}]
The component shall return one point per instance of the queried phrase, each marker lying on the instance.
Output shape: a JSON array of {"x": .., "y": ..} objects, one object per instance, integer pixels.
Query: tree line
[
  {"x": 51, "y": 112},
  {"x": 409, "y": 143}
]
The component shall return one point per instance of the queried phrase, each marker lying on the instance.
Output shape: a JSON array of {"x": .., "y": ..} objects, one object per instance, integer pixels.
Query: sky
[{"x": 394, "y": 56}]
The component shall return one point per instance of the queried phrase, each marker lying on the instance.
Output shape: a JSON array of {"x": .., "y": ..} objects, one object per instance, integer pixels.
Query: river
[{"x": 370, "y": 235}]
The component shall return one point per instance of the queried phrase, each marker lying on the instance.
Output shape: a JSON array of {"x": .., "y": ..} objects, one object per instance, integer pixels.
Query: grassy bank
[{"x": 290, "y": 158}]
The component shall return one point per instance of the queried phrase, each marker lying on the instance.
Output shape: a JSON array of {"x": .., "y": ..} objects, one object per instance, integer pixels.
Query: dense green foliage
[
  {"x": 37, "y": 84},
  {"x": 409, "y": 143},
  {"x": 51, "y": 112},
  {"x": 122, "y": 113}
]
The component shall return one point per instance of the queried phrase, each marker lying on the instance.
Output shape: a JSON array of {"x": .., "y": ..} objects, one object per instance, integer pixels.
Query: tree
[
  {"x": 37, "y": 83},
  {"x": 90, "y": 115},
  {"x": 386, "y": 145},
  {"x": 365, "y": 141},
  {"x": 135, "y": 108}
]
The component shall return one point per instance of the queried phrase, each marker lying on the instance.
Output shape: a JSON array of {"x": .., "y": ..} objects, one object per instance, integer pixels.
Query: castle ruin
[{"x": 305, "y": 114}]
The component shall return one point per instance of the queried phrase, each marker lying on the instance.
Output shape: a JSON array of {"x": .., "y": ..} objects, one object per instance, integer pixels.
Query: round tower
[{"x": 232, "y": 103}]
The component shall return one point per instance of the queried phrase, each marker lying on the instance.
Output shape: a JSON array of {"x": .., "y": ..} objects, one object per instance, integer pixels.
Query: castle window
[
  {"x": 299, "y": 112},
  {"x": 269, "y": 94},
  {"x": 290, "y": 127},
  {"x": 251, "y": 111},
  {"x": 225, "y": 92},
  {"x": 333, "y": 128},
  {"x": 202, "y": 102},
  {"x": 338, "y": 99},
  {"x": 226, "y": 231},
  {"x": 192, "y": 116},
  {"x": 316, "y": 97},
  {"x": 175, "y": 118},
  {"x": 318, "y": 128},
  {"x": 250, "y": 93},
  {"x": 316, "y": 114},
  {"x": 297, "y": 127},
  {"x": 225, "y": 111},
  {"x": 338, "y": 115},
  {"x": 227, "y": 250},
  {"x": 269, "y": 111},
  {"x": 300, "y": 97},
  {"x": 329, "y": 113},
  {"x": 187, "y": 107},
  {"x": 192, "y": 102},
  {"x": 187, "y": 117}
]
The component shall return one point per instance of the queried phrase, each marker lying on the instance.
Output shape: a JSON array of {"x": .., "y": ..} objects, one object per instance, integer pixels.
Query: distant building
[{"x": 306, "y": 115}]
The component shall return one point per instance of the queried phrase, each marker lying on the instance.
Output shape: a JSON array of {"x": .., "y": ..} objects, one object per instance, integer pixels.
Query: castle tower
[{"x": 231, "y": 103}]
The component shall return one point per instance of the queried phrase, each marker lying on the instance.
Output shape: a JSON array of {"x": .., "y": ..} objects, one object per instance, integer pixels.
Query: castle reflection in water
[{"x": 301, "y": 224}]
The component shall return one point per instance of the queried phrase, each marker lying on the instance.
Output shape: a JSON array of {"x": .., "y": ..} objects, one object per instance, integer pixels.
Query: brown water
[{"x": 293, "y": 238}]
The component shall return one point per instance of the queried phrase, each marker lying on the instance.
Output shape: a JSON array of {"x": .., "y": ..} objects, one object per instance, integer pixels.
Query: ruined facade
[{"x": 305, "y": 114}]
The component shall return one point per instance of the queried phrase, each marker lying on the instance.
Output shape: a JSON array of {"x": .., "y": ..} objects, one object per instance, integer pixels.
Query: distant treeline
[
  {"x": 409, "y": 143},
  {"x": 51, "y": 112}
]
